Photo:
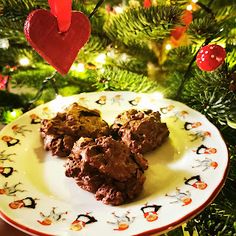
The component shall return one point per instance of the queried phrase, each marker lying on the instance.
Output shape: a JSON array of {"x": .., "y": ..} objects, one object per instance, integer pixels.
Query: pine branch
[
  {"x": 141, "y": 23},
  {"x": 18, "y": 10},
  {"x": 94, "y": 45},
  {"x": 115, "y": 79},
  {"x": 226, "y": 12},
  {"x": 180, "y": 57},
  {"x": 134, "y": 65},
  {"x": 136, "y": 49},
  {"x": 215, "y": 98},
  {"x": 203, "y": 27},
  {"x": 213, "y": 221}
]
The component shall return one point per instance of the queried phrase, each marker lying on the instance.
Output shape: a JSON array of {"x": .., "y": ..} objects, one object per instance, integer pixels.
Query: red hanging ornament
[
  {"x": 179, "y": 31},
  {"x": 61, "y": 9},
  {"x": 3, "y": 82},
  {"x": 57, "y": 35},
  {"x": 187, "y": 17},
  {"x": 147, "y": 3},
  {"x": 210, "y": 57}
]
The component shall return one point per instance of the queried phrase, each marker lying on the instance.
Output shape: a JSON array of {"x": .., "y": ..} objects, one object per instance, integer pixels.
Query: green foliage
[
  {"x": 213, "y": 221},
  {"x": 203, "y": 27},
  {"x": 142, "y": 24},
  {"x": 180, "y": 57},
  {"x": 210, "y": 94},
  {"x": 141, "y": 34},
  {"x": 115, "y": 79}
]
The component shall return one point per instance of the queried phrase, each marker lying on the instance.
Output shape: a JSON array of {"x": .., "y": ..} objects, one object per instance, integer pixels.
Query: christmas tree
[{"x": 141, "y": 46}]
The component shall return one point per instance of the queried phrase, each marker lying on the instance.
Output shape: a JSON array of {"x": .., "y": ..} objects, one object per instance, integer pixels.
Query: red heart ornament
[{"x": 58, "y": 49}]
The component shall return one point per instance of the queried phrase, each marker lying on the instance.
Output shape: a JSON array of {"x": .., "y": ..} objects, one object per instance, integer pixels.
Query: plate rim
[{"x": 158, "y": 230}]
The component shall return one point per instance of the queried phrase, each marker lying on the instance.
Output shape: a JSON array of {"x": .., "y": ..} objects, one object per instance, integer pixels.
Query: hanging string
[
  {"x": 100, "y": 2},
  {"x": 207, "y": 41},
  {"x": 187, "y": 73},
  {"x": 50, "y": 79},
  {"x": 205, "y": 8}
]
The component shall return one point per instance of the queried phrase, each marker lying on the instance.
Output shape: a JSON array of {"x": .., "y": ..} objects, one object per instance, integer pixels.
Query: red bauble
[
  {"x": 3, "y": 81},
  {"x": 210, "y": 57},
  {"x": 178, "y": 32},
  {"x": 187, "y": 17},
  {"x": 58, "y": 49},
  {"x": 147, "y": 3}
]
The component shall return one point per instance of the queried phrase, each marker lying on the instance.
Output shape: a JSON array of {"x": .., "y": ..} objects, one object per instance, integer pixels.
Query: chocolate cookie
[
  {"x": 141, "y": 131},
  {"x": 107, "y": 168},
  {"x": 60, "y": 132}
]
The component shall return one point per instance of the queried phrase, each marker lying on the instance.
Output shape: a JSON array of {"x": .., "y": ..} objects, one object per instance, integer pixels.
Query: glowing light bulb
[
  {"x": 123, "y": 57},
  {"x": 189, "y": 7},
  {"x": 80, "y": 67},
  {"x": 13, "y": 114},
  {"x": 4, "y": 43},
  {"x": 101, "y": 58},
  {"x": 168, "y": 46},
  {"x": 24, "y": 61},
  {"x": 118, "y": 9}
]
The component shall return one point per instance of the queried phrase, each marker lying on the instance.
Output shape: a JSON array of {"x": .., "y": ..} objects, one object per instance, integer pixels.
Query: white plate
[{"x": 185, "y": 174}]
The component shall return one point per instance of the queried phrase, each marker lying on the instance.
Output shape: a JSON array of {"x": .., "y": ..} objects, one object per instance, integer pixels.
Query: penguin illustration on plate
[
  {"x": 150, "y": 212},
  {"x": 189, "y": 125},
  {"x": 35, "y": 119},
  {"x": 27, "y": 202},
  {"x": 20, "y": 129},
  {"x": 202, "y": 149},
  {"x": 10, "y": 141},
  {"x": 6, "y": 157},
  {"x": 196, "y": 182},
  {"x": 206, "y": 164},
  {"x": 10, "y": 190},
  {"x": 6, "y": 171},
  {"x": 122, "y": 222},
  {"x": 181, "y": 197},
  {"x": 165, "y": 110},
  {"x": 135, "y": 101},
  {"x": 52, "y": 217},
  {"x": 102, "y": 100},
  {"x": 81, "y": 221}
]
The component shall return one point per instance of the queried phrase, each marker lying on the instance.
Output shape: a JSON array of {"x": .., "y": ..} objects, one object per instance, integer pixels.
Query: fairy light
[
  {"x": 80, "y": 67},
  {"x": 101, "y": 58},
  {"x": 123, "y": 57},
  {"x": 24, "y": 61},
  {"x": 118, "y": 9},
  {"x": 13, "y": 114},
  {"x": 168, "y": 46},
  {"x": 189, "y": 7},
  {"x": 4, "y": 43}
]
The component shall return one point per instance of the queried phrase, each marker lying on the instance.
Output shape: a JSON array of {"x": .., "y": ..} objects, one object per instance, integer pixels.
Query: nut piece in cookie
[
  {"x": 107, "y": 168},
  {"x": 141, "y": 131},
  {"x": 60, "y": 132}
]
